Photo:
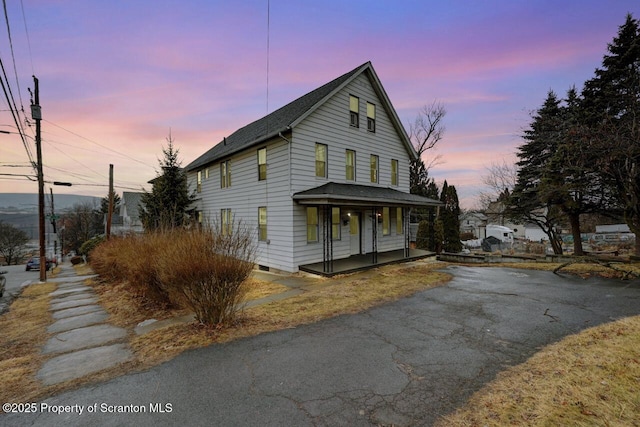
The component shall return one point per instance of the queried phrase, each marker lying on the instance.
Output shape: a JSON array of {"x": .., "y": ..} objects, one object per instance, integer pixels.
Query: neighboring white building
[
  {"x": 128, "y": 219},
  {"x": 322, "y": 178}
]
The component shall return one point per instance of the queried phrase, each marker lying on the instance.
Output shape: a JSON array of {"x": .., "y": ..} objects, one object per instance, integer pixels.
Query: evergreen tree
[
  {"x": 612, "y": 107},
  {"x": 526, "y": 204},
  {"x": 167, "y": 205},
  {"x": 450, "y": 217}
]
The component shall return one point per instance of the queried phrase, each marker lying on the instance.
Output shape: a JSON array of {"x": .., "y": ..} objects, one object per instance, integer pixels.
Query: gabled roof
[
  {"x": 131, "y": 201},
  {"x": 333, "y": 193},
  {"x": 293, "y": 113}
]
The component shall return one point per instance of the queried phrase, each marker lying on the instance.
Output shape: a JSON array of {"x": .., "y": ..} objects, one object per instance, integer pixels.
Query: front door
[{"x": 354, "y": 233}]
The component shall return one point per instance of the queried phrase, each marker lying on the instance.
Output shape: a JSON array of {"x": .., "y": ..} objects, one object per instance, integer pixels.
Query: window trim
[
  {"x": 352, "y": 166},
  {"x": 371, "y": 117},
  {"x": 354, "y": 111},
  {"x": 374, "y": 172},
  {"x": 399, "y": 221},
  {"x": 262, "y": 167},
  {"x": 225, "y": 174},
  {"x": 386, "y": 221},
  {"x": 336, "y": 227},
  {"x": 199, "y": 181},
  {"x": 312, "y": 226},
  {"x": 262, "y": 227},
  {"x": 395, "y": 174},
  {"x": 324, "y": 161},
  {"x": 226, "y": 221}
]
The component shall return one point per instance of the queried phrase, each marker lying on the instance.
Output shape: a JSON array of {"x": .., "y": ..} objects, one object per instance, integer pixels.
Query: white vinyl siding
[{"x": 291, "y": 169}]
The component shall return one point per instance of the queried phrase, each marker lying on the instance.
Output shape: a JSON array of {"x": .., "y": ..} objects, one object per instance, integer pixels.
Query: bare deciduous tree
[
  {"x": 427, "y": 130},
  {"x": 500, "y": 179}
]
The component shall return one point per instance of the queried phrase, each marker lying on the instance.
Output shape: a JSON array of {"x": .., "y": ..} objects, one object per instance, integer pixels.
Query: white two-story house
[{"x": 325, "y": 177}]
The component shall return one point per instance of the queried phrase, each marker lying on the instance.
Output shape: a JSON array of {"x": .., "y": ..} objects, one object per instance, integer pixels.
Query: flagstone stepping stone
[
  {"x": 76, "y": 322},
  {"x": 55, "y": 306},
  {"x": 89, "y": 336},
  {"x": 83, "y": 362},
  {"x": 76, "y": 311},
  {"x": 73, "y": 290}
]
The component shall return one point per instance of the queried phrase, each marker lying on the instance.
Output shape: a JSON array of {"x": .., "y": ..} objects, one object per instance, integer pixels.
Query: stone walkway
[{"x": 83, "y": 342}]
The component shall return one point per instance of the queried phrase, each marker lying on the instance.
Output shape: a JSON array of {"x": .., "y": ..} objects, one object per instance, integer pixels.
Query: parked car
[{"x": 34, "y": 264}]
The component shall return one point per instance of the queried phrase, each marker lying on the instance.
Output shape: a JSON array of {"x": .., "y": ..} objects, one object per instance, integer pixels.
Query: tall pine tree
[
  {"x": 612, "y": 107},
  {"x": 450, "y": 218},
  {"x": 167, "y": 205}
]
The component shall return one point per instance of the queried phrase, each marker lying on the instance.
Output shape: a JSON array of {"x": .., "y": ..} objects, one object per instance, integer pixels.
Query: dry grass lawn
[
  {"x": 23, "y": 333},
  {"x": 588, "y": 379}
]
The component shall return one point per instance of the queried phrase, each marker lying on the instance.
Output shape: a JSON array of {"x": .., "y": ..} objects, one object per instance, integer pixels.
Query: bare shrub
[
  {"x": 133, "y": 259},
  {"x": 206, "y": 269}
]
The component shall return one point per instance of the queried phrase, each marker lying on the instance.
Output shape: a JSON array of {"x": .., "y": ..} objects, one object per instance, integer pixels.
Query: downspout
[{"x": 289, "y": 142}]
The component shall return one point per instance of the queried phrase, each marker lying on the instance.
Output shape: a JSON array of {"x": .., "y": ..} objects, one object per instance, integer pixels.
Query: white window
[
  {"x": 225, "y": 174},
  {"x": 394, "y": 172},
  {"x": 350, "y": 165},
  {"x": 262, "y": 224},
  {"x": 321, "y": 160},
  {"x": 371, "y": 117},
  {"x": 262, "y": 164},
  {"x": 312, "y": 224},
  {"x": 374, "y": 168},
  {"x": 354, "y": 108}
]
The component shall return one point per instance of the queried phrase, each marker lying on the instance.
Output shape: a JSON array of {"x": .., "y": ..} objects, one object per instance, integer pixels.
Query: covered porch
[
  {"x": 363, "y": 262},
  {"x": 375, "y": 222}
]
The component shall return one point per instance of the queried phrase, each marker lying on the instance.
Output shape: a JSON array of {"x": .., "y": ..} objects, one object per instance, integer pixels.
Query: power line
[
  {"x": 13, "y": 57},
  {"x": 99, "y": 145}
]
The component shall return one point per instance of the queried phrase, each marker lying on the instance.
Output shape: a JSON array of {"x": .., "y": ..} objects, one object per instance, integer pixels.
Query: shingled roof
[
  {"x": 333, "y": 193},
  {"x": 281, "y": 120}
]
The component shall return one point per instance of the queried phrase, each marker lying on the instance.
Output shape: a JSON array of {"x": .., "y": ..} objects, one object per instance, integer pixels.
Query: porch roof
[{"x": 333, "y": 193}]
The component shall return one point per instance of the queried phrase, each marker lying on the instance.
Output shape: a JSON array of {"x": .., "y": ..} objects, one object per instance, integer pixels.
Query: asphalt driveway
[{"x": 405, "y": 363}]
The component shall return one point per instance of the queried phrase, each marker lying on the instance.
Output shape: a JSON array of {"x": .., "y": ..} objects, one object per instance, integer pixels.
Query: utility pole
[
  {"x": 36, "y": 114},
  {"x": 110, "y": 210}
]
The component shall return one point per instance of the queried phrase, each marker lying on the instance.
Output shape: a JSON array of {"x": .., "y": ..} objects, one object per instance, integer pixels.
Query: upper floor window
[
  {"x": 394, "y": 172},
  {"x": 225, "y": 174},
  {"x": 206, "y": 173},
  {"x": 262, "y": 164},
  {"x": 371, "y": 117},
  {"x": 350, "y": 165},
  {"x": 262, "y": 224},
  {"x": 354, "y": 108},
  {"x": 199, "y": 182},
  {"x": 374, "y": 168},
  {"x": 321, "y": 160}
]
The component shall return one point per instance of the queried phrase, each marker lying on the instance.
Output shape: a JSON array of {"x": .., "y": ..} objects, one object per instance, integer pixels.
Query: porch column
[
  {"x": 406, "y": 213},
  {"x": 374, "y": 231},
  {"x": 327, "y": 241}
]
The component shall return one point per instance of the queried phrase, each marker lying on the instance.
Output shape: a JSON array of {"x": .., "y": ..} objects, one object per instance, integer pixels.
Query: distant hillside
[{"x": 27, "y": 203}]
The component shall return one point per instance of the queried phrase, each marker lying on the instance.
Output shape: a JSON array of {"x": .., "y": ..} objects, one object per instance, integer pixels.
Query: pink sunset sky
[{"x": 117, "y": 76}]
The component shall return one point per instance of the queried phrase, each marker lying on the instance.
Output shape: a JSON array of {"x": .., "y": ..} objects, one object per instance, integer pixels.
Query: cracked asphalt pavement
[{"x": 404, "y": 363}]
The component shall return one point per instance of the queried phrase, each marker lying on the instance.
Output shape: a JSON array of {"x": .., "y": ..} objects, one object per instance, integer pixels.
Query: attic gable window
[
  {"x": 354, "y": 107},
  {"x": 225, "y": 174},
  {"x": 371, "y": 117}
]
